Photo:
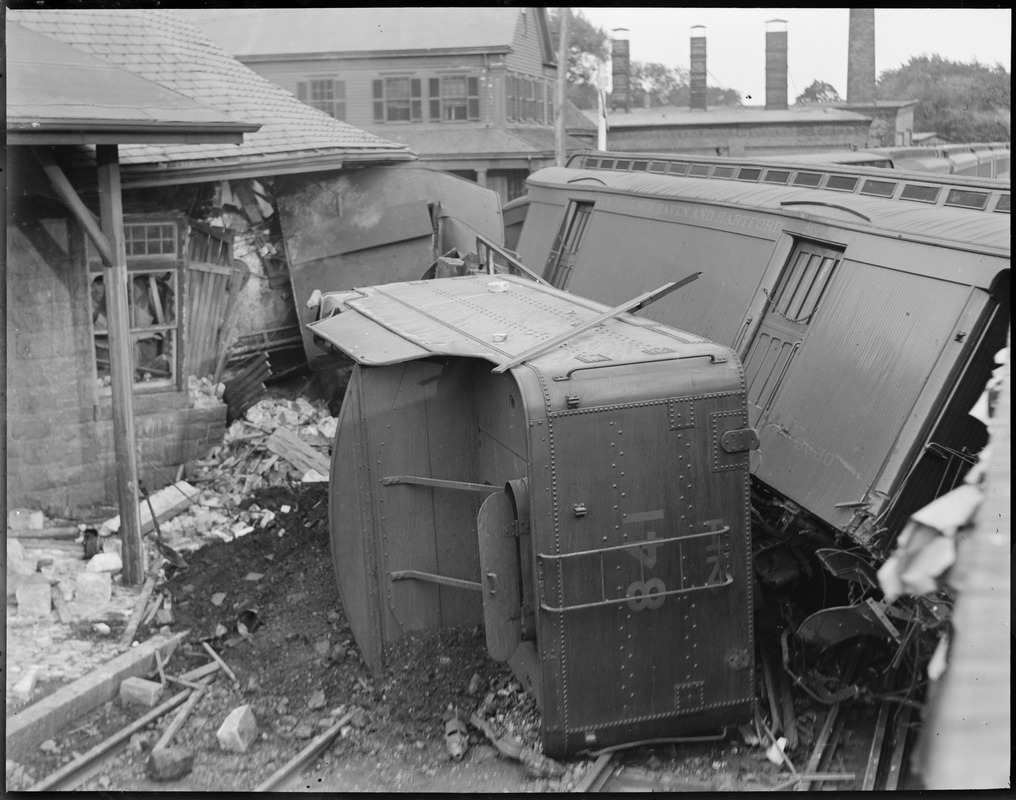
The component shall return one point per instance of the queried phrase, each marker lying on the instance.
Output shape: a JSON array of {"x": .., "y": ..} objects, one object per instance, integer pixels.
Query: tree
[
  {"x": 965, "y": 102},
  {"x": 653, "y": 84},
  {"x": 818, "y": 92},
  {"x": 588, "y": 49}
]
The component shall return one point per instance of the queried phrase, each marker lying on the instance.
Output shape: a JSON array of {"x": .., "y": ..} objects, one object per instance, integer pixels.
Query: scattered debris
[
  {"x": 317, "y": 700},
  {"x": 221, "y": 663},
  {"x": 169, "y": 763},
  {"x": 140, "y": 691},
  {"x": 238, "y": 730},
  {"x": 24, "y": 689},
  {"x": 456, "y": 738}
]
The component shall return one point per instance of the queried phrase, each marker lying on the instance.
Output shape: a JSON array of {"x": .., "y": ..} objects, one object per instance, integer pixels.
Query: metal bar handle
[
  {"x": 618, "y": 600},
  {"x": 630, "y": 545}
]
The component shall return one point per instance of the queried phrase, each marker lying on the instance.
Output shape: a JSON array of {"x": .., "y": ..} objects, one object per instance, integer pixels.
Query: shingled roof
[
  {"x": 164, "y": 48},
  {"x": 358, "y": 31}
]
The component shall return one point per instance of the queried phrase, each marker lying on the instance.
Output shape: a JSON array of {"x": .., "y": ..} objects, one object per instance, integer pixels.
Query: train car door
[{"x": 789, "y": 312}]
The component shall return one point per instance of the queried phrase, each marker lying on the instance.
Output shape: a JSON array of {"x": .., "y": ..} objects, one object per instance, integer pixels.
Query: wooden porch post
[{"x": 121, "y": 366}]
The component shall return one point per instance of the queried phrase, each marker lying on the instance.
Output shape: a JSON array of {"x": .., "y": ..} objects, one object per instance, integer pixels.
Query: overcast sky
[{"x": 816, "y": 40}]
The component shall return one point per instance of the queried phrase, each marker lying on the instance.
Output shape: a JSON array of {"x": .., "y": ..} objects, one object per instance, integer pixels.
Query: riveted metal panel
[{"x": 642, "y": 573}]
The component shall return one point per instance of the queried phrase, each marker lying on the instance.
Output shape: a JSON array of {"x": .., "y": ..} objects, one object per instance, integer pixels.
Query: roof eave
[
  {"x": 136, "y": 177},
  {"x": 346, "y": 55},
  {"x": 112, "y": 132}
]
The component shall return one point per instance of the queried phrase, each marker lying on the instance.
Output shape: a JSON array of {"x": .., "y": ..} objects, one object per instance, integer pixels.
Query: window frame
[
  {"x": 386, "y": 101},
  {"x": 167, "y": 268},
  {"x": 334, "y": 105},
  {"x": 443, "y": 104}
]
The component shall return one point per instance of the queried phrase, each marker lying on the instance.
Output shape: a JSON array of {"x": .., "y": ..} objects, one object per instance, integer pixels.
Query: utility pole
[
  {"x": 562, "y": 82},
  {"x": 121, "y": 367}
]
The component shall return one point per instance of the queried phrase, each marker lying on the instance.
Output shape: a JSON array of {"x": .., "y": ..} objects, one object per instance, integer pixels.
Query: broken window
[
  {"x": 153, "y": 269},
  {"x": 398, "y": 100},
  {"x": 325, "y": 94}
]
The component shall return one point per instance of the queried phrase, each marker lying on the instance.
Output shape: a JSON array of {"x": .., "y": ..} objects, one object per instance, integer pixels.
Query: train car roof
[
  {"x": 972, "y": 228},
  {"x": 492, "y": 317}
]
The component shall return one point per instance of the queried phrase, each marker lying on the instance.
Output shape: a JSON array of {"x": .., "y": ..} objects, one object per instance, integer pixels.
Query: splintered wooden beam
[{"x": 301, "y": 455}]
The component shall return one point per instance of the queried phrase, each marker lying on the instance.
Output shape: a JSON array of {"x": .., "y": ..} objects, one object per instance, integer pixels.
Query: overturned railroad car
[
  {"x": 866, "y": 306},
  {"x": 572, "y": 476}
]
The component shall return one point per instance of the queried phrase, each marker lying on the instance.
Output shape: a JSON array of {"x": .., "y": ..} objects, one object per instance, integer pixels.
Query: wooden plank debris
[
  {"x": 168, "y": 502},
  {"x": 305, "y": 756},
  {"x": 221, "y": 663},
  {"x": 139, "y": 611},
  {"x": 183, "y": 713},
  {"x": 301, "y": 455},
  {"x": 66, "y": 772},
  {"x": 51, "y": 715}
]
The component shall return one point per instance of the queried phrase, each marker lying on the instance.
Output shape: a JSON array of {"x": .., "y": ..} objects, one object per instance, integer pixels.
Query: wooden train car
[
  {"x": 865, "y": 304},
  {"x": 587, "y": 498}
]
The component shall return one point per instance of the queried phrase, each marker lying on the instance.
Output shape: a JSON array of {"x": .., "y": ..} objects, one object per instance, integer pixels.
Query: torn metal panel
[
  {"x": 495, "y": 318},
  {"x": 377, "y": 226}
]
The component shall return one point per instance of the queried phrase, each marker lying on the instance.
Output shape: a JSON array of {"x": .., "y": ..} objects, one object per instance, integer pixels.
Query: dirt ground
[{"x": 300, "y": 670}]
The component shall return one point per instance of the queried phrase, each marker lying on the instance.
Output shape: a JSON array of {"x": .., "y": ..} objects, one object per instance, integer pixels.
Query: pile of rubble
[{"x": 278, "y": 442}]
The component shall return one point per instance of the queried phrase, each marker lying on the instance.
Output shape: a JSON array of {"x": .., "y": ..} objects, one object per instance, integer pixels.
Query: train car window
[
  {"x": 1002, "y": 206},
  {"x": 749, "y": 174},
  {"x": 807, "y": 179},
  {"x": 567, "y": 243},
  {"x": 678, "y": 169},
  {"x": 920, "y": 194},
  {"x": 699, "y": 170},
  {"x": 804, "y": 283},
  {"x": 964, "y": 198},
  {"x": 657, "y": 166},
  {"x": 625, "y": 165},
  {"x": 639, "y": 166},
  {"x": 591, "y": 163},
  {"x": 724, "y": 173},
  {"x": 606, "y": 163},
  {"x": 780, "y": 176},
  {"x": 878, "y": 188},
  {"x": 841, "y": 183}
]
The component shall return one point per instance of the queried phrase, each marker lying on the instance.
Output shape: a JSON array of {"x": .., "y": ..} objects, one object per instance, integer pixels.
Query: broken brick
[
  {"x": 141, "y": 692},
  {"x": 169, "y": 763},
  {"x": 35, "y": 597},
  {"x": 93, "y": 589},
  {"x": 238, "y": 730}
]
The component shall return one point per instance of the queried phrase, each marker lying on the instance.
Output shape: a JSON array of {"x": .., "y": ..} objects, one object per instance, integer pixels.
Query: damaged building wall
[{"x": 60, "y": 452}]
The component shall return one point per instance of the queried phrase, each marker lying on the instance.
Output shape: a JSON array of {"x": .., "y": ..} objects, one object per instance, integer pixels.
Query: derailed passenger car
[
  {"x": 587, "y": 499},
  {"x": 865, "y": 304}
]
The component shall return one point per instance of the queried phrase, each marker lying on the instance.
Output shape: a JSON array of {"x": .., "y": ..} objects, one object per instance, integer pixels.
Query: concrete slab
[{"x": 51, "y": 715}]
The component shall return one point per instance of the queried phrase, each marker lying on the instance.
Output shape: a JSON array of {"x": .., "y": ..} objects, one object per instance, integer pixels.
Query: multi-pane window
[
  {"x": 454, "y": 98},
  {"x": 529, "y": 99},
  {"x": 153, "y": 259},
  {"x": 325, "y": 94},
  {"x": 398, "y": 100}
]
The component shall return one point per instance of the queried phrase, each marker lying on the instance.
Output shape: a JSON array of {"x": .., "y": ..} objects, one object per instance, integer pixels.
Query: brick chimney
[
  {"x": 697, "y": 74},
  {"x": 861, "y": 56},
  {"x": 776, "y": 65},
  {"x": 620, "y": 67}
]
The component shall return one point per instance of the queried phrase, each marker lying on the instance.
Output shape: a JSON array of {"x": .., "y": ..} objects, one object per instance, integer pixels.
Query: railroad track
[{"x": 848, "y": 755}]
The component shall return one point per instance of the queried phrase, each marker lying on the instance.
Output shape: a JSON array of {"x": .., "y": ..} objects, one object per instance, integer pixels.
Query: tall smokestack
[
  {"x": 776, "y": 65},
  {"x": 861, "y": 56},
  {"x": 697, "y": 74},
  {"x": 620, "y": 93}
]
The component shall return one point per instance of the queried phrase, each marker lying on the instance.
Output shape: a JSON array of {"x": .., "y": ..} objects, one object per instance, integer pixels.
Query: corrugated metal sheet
[
  {"x": 972, "y": 228},
  {"x": 892, "y": 326}
]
